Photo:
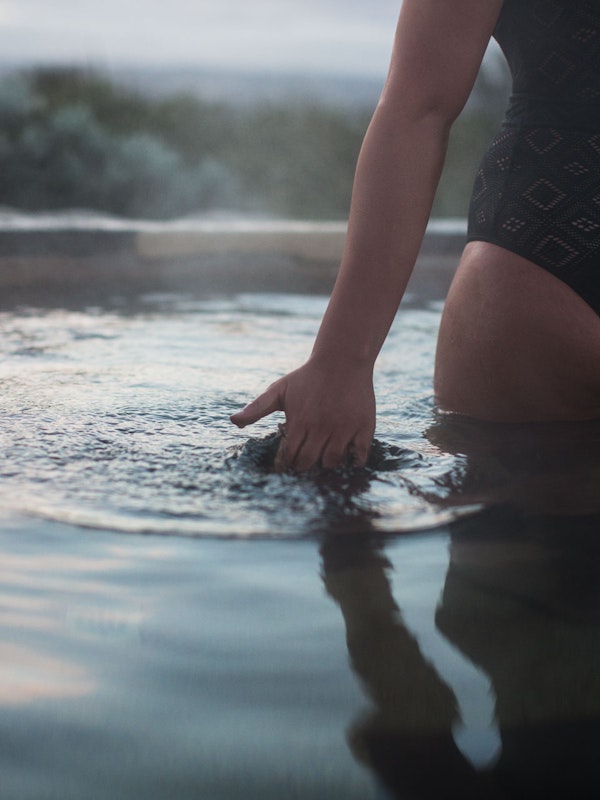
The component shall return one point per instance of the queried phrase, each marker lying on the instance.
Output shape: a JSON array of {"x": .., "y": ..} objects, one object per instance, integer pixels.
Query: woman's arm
[{"x": 328, "y": 402}]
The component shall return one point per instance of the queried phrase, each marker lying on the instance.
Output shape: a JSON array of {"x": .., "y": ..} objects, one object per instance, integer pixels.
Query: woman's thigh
[{"x": 516, "y": 343}]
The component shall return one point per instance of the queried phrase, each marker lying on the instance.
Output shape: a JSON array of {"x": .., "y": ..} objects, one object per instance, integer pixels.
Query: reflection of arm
[
  {"x": 407, "y": 740},
  {"x": 407, "y": 690}
]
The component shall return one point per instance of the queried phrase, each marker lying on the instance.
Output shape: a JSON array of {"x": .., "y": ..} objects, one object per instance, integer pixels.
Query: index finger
[{"x": 265, "y": 404}]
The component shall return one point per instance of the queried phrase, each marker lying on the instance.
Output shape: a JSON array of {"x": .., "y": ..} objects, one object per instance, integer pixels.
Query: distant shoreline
[
  {"x": 231, "y": 86},
  {"x": 342, "y": 90}
]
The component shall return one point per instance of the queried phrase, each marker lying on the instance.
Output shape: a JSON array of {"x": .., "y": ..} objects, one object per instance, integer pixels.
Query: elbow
[
  {"x": 437, "y": 103},
  {"x": 428, "y": 114}
]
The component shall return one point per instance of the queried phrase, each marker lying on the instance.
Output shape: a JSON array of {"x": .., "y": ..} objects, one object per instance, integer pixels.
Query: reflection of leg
[
  {"x": 426, "y": 767},
  {"x": 556, "y": 759},
  {"x": 533, "y": 583},
  {"x": 408, "y": 739}
]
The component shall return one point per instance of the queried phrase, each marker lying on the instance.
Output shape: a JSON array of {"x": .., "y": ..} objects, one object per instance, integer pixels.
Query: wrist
[{"x": 341, "y": 359}]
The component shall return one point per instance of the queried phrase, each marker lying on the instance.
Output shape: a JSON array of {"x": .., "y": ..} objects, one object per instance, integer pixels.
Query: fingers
[
  {"x": 297, "y": 451},
  {"x": 360, "y": 448},
  {"x": 335, "y": 453},
  {"x": 305, "y": 452},
  {"x": 321, "y": 430},
  {"x": 265, "y": 404},
  {"x": 353, "y": 454},
  {"x": 309, "y": 454},
  {"x": 285, "y": 458}
]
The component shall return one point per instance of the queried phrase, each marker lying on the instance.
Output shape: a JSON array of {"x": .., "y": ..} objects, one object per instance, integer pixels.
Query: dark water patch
[
  {"x": 260, "y": 454},
  {"x": 383, "y": 496},
  {"x": 543, "y": 468}
]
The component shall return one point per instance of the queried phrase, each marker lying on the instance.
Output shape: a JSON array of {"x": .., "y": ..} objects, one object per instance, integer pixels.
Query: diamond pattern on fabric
[
  {"x": 537, "y": 189},
  {"x": 546, "y": 204},
  {"x": 542, "y": 140},
  {"x": 556, "y": 250},
  {"x": 544, "y": 195}
]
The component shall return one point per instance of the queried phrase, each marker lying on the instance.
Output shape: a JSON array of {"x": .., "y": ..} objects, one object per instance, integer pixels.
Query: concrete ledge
[
  {"x": 77, "y": 253},
  {"x": 309, "y": 241}
]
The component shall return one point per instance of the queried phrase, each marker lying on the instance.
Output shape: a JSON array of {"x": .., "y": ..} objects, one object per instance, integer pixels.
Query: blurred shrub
[{"x": 71, "y": 138}]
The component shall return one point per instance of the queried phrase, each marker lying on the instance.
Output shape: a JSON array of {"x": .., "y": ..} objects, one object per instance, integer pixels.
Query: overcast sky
[{"x": 345, "y": 36}]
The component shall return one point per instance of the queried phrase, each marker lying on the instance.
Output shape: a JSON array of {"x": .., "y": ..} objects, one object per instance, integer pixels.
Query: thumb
[{"x": 265, "y": 404}]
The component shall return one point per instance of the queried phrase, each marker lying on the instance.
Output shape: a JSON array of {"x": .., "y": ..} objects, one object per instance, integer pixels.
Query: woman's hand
[{"x": 330, "y": 416}]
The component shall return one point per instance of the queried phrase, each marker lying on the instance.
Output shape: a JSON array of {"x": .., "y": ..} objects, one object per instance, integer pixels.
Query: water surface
[
  {"x": 118, "y": 419},
  {"x": 177, "y": 620}
]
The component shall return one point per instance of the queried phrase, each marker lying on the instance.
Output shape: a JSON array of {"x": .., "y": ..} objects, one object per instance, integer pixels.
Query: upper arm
[{"x": 438, "y": 49}]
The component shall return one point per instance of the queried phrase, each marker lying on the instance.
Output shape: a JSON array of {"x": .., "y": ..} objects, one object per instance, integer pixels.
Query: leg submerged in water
[{"x": 516, "y": 344}]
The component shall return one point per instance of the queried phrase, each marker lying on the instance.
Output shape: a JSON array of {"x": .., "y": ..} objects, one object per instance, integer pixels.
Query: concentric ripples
[{"x": 118, "y": 419}]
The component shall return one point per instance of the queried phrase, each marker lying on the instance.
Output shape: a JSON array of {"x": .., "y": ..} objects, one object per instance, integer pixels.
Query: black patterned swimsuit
[{"x": 537, "y": 191}]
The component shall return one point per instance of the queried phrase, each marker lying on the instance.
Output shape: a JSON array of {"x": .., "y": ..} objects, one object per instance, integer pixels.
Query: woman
[{"x": 519, "y": 338}]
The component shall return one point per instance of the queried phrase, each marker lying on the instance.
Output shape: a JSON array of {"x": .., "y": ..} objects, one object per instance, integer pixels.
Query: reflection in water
[
  {"x": 118, "y": 420},
  {"x": 520, "y": 601},
  {"x": 549, "y": 468},
  {"x": 27, "y": 675}
]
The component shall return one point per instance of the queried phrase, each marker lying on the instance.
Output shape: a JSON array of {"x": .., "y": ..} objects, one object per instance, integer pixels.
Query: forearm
[
  {"x": 396, "y": 177},
  {"x": 329, "y": 401}
]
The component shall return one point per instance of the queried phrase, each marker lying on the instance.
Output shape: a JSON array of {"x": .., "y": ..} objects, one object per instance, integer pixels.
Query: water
[
  {"x": 119, "y": 419},
  {"x": 177, "y": 620}
]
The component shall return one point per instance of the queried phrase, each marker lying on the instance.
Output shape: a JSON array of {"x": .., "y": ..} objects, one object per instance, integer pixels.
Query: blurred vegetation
[{"x": 70, "y": 138}]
